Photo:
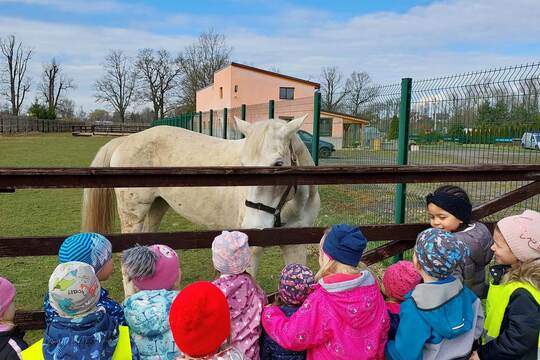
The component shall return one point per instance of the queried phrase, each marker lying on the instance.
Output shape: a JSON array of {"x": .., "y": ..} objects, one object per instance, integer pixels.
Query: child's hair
[
  {"x": 332, "y": 266},
  {"x": 442, "y": 197},
  {"x": 155, "y": 267},
  {"x": 526, "y": 272}
]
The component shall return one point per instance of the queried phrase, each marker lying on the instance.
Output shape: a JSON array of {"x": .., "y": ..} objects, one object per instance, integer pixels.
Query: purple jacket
[
  {"x": 340, "y": 320},
  {"x": 246, "y": 301}
]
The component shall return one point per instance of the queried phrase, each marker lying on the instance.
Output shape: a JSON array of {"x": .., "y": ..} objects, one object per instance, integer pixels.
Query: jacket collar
[{"x": 365, "y": 279}]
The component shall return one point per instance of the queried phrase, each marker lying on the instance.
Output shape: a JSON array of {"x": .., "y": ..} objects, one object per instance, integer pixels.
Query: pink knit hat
[
  {"x": 7, "y": 294},
  {"x": 399, "y": 279},
  {"x": 522, "y": 234},
  {"x": 166, "y": 272},
  {"x": 230, "y": 252}
]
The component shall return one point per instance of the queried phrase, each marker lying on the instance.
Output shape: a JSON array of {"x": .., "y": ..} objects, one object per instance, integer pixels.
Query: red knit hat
[
  {"x": 399, "y": 279},
  {"x": 200, "y": 320}
]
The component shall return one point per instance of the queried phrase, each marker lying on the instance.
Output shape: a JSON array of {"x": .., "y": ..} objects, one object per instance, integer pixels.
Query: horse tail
[{"x": 99, "y": 205}]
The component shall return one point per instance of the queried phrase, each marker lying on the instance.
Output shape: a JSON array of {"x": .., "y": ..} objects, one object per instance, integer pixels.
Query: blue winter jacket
[
  {"x": 270, "y": 350},
  {"x": 92, "y": 337},
  {"x": 438, "y": 320},
  {"x": 147, "y": 316},
  {"x": 113, "y": 308}
]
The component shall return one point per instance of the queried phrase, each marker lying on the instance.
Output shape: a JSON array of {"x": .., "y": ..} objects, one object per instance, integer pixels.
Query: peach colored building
[{"x": 239, "y": 84}]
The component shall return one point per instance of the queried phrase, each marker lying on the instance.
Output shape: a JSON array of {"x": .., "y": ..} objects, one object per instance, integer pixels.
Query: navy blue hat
[{"x": 345, "y": 243}]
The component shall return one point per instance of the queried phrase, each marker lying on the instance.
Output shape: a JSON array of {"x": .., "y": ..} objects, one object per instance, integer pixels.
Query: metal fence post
[
  {"x": 316, "y": 124},
  {"x": 271, "y": 105},
  {"x": 191, "y": 116},
  {"x": 200, "y": 122},
  {"x": 211, "y": 123},
  {"x": 403, "y": 151},
  {"x": 225, "y": 123}
]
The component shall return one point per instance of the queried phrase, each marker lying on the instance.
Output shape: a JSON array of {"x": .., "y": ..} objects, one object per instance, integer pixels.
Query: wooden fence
[
  {"x": 400, "y": 237},
  {"x": 10, "y": 124},
  {"x": 117, "y": 129}
]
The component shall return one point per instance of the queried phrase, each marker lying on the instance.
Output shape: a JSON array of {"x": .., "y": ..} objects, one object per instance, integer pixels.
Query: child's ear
[{"x": 415, "y": 263}]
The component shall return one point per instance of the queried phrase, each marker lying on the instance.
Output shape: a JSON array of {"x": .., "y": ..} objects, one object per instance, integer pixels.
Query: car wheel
[{"x": 324, "y": 152}]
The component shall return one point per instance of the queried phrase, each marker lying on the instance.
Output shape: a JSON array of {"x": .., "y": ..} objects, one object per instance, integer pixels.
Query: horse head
[{"x": 268, "y": 143}]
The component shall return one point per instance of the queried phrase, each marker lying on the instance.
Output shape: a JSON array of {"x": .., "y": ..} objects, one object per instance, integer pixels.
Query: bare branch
[{"x": 15, "y": 83}]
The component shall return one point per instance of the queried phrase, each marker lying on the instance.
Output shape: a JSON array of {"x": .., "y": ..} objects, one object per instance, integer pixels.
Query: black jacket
[
  {"x": 518, "y": 337},
  {"x": 270, "y": 350},
  {"x": 7, "y": 348}
]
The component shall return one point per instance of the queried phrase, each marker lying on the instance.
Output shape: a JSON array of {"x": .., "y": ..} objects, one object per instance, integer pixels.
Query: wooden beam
[
  {"x": 26, "y": 178},
  {"x": 505, "y": 201}
]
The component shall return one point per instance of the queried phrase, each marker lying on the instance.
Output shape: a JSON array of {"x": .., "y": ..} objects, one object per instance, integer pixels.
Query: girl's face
[
  {"x": 503, "y": 254},
  {"x": 442, "y": 219},
  {"x": 105, "y": 272},
  {"x": 9, "y": 314}
]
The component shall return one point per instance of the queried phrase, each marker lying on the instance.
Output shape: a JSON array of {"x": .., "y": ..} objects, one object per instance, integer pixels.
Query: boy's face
[
  {"x": 503, "y": 254},
  {"x": 442, "y": 219},
  {"x": 105, "y": 272}
]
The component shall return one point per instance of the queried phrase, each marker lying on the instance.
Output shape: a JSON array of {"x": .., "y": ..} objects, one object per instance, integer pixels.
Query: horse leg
[
  {"x": 294, "y": 254},
  {"x": 256, "y": 252},
  {"x": 133, "y": 206},
  {"x": 155, "y": 214}
]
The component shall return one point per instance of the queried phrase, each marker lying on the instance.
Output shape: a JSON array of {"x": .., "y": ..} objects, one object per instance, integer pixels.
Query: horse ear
[
  {"x": 294, "y": 125},
  {"x": 242, "y": 125}
]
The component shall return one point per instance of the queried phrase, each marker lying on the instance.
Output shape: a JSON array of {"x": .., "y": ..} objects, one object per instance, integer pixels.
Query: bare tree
[
  {"x": 54, "y": 84},
  {"x": 159, "y": 74},
  {"x": 360, "y": 90},
  {"x": 199, "y": 62},
  {"x": 333, "y": 89},
  {"x": 117, "y": 86},
  {"x": 14, "y": 80}
]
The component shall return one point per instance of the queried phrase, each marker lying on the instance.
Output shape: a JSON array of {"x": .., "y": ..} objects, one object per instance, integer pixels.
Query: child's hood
[
  {"x": 147, "y": 312},
  {"x": 446, "y": 306},
  {"x": 357, "y": 302}
]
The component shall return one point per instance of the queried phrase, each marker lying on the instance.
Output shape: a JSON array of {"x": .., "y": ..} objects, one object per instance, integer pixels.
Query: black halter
[{"x": 277, "y": 210}]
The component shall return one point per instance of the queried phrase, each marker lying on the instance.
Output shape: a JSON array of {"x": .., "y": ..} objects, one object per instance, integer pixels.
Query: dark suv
[{"x": 325, "y": 148}]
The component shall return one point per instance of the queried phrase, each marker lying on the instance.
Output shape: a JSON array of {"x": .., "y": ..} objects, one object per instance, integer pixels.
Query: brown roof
[
  {"x": 271, "y": 73},
  {"x": 345, "y": 116}
]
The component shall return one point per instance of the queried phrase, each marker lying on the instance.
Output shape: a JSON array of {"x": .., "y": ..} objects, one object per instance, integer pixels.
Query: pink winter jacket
[
  {"x": 342, "y": 320},
  {"x": 246, "y": 301}
]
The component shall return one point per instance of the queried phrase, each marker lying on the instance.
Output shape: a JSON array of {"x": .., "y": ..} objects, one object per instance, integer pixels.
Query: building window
[
  {"x": 325, "y": 127},
  {"x": 235, "y": 88},
  {"x": 221, "y": 92},
  {"x": 286, "y": 93}
]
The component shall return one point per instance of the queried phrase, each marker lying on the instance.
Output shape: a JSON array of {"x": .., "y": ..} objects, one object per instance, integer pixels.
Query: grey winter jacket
[{"x": 473, "y": 271}]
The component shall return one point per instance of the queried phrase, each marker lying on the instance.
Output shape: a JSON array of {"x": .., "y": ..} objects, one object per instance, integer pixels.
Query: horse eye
[{"x": 278, "y": 163}]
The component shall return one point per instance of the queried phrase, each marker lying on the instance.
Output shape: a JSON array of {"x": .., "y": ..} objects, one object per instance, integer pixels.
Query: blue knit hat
[
  {"x": 345, "y": 243},
  {"x": 90, "y": 248},
  {"x": 439, "y": 252}
]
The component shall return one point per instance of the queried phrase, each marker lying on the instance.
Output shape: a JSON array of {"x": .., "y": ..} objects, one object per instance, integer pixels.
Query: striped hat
[{"x": 90, "y": 248}]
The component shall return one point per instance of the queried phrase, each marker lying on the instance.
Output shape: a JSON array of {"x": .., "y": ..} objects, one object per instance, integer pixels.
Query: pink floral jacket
[{"x": 339, "y": 320}]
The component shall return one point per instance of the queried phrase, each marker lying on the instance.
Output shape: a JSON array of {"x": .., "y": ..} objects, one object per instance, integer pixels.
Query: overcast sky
[{"x": 387, "y": 39}]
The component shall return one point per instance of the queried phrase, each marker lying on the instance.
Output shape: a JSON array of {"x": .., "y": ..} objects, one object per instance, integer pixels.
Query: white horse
[{"x": 266, "y": 143}]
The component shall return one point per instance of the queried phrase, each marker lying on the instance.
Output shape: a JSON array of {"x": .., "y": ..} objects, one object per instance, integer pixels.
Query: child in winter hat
[
  {"x": 398, "y": 280},
  {"x": 11, "y": 339},
  {"x": 153, "y": 273},
  {"x": 200, "y": 323},
  {"x": 345, "y": 316},
  {"x": 83, "y": 330},
  {"x": 439, "y": 316},
  {"x": 513, "y": 301},
  {"x": 295, "y": 284},
  {"x": 450, "y": 209},
  {"x": 96, "y": 250},
  {"x": 231, "y": 257}
]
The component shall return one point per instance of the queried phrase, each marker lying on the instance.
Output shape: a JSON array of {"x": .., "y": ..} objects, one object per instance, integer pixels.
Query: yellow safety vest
[
  {"x": 496, "y": 303},
  {"x": 122, "y": 351}
]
